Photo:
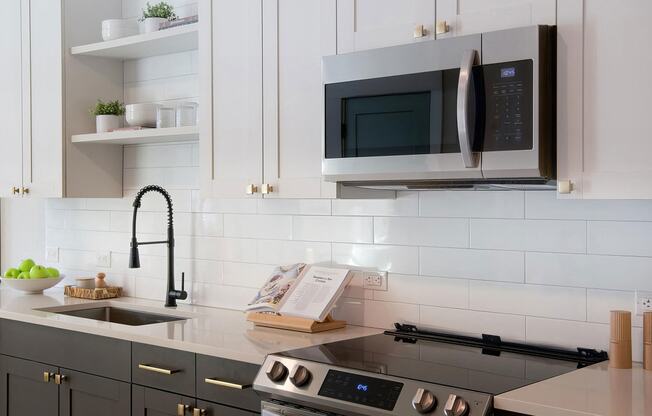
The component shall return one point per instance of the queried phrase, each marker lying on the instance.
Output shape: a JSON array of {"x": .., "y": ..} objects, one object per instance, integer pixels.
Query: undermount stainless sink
[{"x": 118, "y": 315}]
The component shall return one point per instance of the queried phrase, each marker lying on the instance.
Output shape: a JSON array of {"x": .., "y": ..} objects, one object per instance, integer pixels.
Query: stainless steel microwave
[{"x": 474, "y": 110}]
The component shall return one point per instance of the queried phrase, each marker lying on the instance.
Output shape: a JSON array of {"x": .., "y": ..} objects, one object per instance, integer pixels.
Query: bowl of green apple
[{"x": 31, "y": 277}]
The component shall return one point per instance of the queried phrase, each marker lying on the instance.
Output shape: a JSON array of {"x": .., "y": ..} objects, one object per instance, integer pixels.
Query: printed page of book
[{"x": 315, "y": 292}]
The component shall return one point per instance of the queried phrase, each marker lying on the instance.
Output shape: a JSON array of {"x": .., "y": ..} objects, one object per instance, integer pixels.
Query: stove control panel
[{"x": 334, "y": 389}]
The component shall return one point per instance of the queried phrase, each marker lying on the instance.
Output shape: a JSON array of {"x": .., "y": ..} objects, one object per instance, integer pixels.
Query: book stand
[{"x": 271, "y": 320}]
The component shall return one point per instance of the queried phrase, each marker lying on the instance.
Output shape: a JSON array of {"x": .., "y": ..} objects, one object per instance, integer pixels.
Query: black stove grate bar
[{"x": 492, "y": 344}]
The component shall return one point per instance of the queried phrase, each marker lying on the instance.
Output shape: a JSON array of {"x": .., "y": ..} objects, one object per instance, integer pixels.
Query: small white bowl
[
  {"x": 118, "y": 28},
  {"x": 32, "y": 285},
  {"x": 141, "y": 115}
]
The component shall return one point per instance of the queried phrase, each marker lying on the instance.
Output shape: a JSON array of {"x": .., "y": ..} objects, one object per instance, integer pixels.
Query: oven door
[
  {"x": 402, "y": 113},
  {"x": 281, "y": 409}
]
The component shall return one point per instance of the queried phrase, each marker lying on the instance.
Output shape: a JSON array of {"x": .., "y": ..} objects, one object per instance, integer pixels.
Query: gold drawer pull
[
  {"x": 159, "y": 370},
  {"x": 182, "y": 409},
  {"x": 47, "y": 376},
  {"x": 198, "y": 412},
  {"x": 227, "y": 384},
  {"x": 60, "y": 378}
]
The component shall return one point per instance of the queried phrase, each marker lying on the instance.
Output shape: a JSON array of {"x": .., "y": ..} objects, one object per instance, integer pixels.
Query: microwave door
[
  {"x": 391, "y": 114},
  {"x": 518, "y": 76}
]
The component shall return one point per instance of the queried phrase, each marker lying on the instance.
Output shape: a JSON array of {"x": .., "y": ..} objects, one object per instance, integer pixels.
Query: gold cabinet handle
[
  {"x": 159, "y": 370},
  {"x": 199, "y": 412},
  {"x": 15, "y": 190},
  {"x": 228, "y": 384},
  {"x": 182, "y": 408},
  {"x": 24, "y": 191},
  {"x": 59, "y": 378},
  {"x": 564, "y": 186},
  {"x": 419, "y": 31},
  {"x": 47, "y": 376},
  {"x": 266, "y": 189},
  {"x": 251, "y": 189},
  {"x": 442, "y": 27}
]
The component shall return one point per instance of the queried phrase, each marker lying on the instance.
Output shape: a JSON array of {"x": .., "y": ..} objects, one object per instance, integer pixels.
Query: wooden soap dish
[
  {"x": 95, "y": 294},
  {"x": 271, "y": 320}
]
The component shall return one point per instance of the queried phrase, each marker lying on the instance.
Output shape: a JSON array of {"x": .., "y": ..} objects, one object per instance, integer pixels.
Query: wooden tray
[
  {"x": 95, "y": 294},
  {"x": 294, "y": 324}
]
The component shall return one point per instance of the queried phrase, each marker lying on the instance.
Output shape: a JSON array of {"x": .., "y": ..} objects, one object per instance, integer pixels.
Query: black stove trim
[{"x": 493, "y": 345}]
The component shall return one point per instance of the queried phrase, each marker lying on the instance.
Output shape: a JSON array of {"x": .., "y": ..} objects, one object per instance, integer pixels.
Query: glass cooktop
[{"x": 446, "y": 362}]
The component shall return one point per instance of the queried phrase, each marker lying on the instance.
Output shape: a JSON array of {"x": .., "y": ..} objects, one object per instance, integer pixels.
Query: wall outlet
[
  {"x": 643, "y": 302},
  {"x": 104, "y": 259},
  {"x": 52, "y": 254},
  {"x": 374, "y": 280}
]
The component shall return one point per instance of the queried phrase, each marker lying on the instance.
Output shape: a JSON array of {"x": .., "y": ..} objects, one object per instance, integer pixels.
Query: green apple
[
  {"x": 38, "y": 272},
  {"x": 23, "y": 275},
  {"x": 26, "y": 265},
  {"x": 12, "y": 273},
  {"x": 52, "y": 272}
]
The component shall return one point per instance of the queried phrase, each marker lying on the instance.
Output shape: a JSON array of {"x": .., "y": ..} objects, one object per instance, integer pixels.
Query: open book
[{"x": 302, "y": 291}]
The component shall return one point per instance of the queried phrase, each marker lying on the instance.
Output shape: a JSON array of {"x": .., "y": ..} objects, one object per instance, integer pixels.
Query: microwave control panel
[{"x": 508, "y": 104}]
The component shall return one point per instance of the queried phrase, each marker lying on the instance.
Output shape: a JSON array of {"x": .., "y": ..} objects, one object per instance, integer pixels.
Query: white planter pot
[
  {"x": 107, "y": 123},
  {"x": 152, "y": 24}
]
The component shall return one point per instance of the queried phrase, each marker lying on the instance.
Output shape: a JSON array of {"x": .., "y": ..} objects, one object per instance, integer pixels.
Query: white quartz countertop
[
  {"x": 594, "y": 390},
  {"x": 210, "y": 331}
]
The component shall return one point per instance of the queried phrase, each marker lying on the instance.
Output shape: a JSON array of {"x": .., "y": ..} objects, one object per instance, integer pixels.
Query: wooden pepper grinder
[
  {"x": 647, "y": 340},
  {"x": 99, "y": 281},
  {"x": 620, "y": 342}
]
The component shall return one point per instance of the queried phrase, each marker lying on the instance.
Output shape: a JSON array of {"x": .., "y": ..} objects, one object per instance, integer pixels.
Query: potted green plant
[
  {"x": 155, "y": 14},
  {"x": 108, "y": 116}
]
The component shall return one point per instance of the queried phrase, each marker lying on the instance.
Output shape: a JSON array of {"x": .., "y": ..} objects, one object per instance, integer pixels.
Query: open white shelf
[
  {"x": 145, "y": 136},
  {"x": 162, "y": 42}
]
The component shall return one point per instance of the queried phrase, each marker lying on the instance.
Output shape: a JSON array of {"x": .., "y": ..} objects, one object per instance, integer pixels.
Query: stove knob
[
  {"x": 424, "y": 401},
  {"x": 299, "y": 376},
  {"x": 276, "y": 371},
  {"x": 455, "y": 406}
]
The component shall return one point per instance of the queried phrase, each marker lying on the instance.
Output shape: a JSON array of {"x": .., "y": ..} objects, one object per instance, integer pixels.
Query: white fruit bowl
[{"x": 32, "y": 285}]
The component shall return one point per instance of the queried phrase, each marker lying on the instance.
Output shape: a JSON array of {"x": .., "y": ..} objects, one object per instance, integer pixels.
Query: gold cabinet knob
[
  {"x": 266, "y": 189},
  {"x": 47, "y": 376},
  {"x": 182, "y": 409},
  {"x": 199, "y": 412},
  {"x": 442, "y": 27},
  {"x": 15, "y": 190},
  {"x": 59, "y": 378},
  {"x": 251, "y": 189},
  {"x": 419, "y": 31},
  {"x": 564, "y": 187},
  {"x": 24, "y": 191}
]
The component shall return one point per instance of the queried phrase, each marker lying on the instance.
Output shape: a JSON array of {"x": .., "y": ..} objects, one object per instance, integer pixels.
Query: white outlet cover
[
  {"x": 643, "y": 302},
  {"x": 104, "y": 259},
  {"x": 374, "y": 280}
]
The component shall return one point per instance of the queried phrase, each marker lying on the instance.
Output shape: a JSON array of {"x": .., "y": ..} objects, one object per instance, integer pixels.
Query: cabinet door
[
  {"x": 43, "y": 97},
  {"x": 85, "y": 394},
  {"x": 297, "y": 33},
  {"x": 617, "y": 145},
  {"x": 152, "y": 402},
  {"x": 23, "y": 390},
  {"x": 214, "y": 409},
  {"x": 473, "y": 16},
  {"x": 231, "y": 146},
  {"x": 11, "y": 100},
  {"x": 368, "y": 24}
]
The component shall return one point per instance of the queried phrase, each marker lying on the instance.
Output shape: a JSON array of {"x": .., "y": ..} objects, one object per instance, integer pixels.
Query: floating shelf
[
  {"x": 162, "y": 42},
  {"x": 145, "y": 136}
]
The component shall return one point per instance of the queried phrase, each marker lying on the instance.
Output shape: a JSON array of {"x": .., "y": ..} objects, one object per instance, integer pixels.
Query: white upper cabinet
[
  {"x": 11, "y": 101},
  {"x": 231, "y": 145},
  {"x": 604, "y": 140},
  {"x": 297, "y": 33},
  {"x": 464, "y": 17},
  {"x": 368, "y": 24}
]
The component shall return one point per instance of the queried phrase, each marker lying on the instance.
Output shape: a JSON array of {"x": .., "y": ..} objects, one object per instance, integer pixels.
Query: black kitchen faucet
[{"x": 134, "y": 258}]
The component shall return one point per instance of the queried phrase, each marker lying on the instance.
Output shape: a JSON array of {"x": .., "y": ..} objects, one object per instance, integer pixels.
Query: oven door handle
[{"x": 464, "y": 90}]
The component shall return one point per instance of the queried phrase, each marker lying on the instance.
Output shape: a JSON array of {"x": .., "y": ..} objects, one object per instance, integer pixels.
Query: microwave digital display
[{"x": 507, "y": 72}]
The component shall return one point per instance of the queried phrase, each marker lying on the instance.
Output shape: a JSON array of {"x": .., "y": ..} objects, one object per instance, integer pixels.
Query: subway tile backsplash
[{"x": 522, "y": 265}]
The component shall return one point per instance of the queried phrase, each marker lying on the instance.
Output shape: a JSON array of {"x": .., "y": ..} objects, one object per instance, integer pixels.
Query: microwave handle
[{"x": 464, "y": 87}]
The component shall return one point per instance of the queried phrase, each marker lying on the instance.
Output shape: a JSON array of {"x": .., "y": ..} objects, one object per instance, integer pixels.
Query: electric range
[{"x": 407, "y": 372}]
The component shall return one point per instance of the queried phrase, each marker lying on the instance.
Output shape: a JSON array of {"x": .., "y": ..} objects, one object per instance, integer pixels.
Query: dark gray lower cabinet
[
  {"x": 152, "y": 402},
  {"x": 85, "y": 394},
  {"x": 24, "y": 390}
]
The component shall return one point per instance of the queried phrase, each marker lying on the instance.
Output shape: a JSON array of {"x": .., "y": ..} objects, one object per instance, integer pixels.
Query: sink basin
[{"x": 119, "y": 315}]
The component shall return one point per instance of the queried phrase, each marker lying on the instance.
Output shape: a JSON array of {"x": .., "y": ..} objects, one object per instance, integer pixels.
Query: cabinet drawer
[
  {"x": 214, "y": 409},
  {"x": 227, "y": 382},
  {"x": 163, "y": 368},
  {"x": 87, "y": 353}
]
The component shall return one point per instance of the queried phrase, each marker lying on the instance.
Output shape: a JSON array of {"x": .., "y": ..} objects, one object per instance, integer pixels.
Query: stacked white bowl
[
  {"x": 118, "y": 28},
  {"x": 141, "y": 115}
]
